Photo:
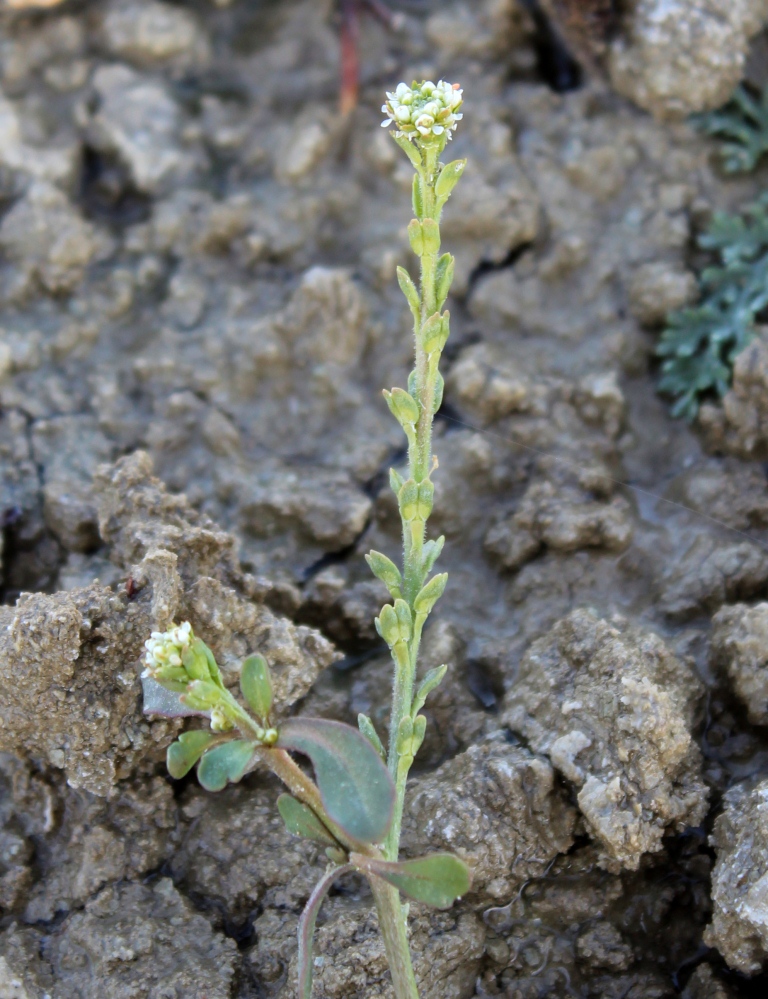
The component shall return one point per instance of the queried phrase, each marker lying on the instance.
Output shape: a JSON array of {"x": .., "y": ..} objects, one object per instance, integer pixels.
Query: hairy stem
[
  {"x": 394, "y": 931},
  {"x": 419, "y": 468}
]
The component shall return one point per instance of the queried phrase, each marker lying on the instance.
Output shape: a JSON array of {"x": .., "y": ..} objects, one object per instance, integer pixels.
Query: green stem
[
  {"x": 419, "y": 467},
  {"x": 394, "y": 930}
]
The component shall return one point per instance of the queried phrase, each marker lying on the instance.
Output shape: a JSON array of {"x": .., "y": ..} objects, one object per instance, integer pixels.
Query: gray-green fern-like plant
[
  {"x": 743, "y": 125},
  {"x": 701, "y": 342},
  {"x": 354, "y": 806}
]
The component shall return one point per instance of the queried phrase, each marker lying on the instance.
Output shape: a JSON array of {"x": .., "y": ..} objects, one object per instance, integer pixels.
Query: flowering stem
[{"x": 427, "y": 114}]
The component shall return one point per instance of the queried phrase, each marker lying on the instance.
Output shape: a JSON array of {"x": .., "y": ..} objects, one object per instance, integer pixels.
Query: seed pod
[
  {"x": 403, "y": 406},
  {"x": 408, "y": 498},
  {"x": 416, "y": 237},
  {"x": 425, "y": 500},
  {"x": 434, "y": 333}
]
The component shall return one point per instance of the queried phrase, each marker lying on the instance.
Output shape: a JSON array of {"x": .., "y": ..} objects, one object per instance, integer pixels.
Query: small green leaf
[
  {"x": 367, "y": 729},
  {"x": 408, "y": 498},
  {"x": 404, "y": 735},
  {"x": 419, "y": 731},
  {"x": 408, "y": 288},
  {"x": 411, "y": 151},
  {"x": 437, "y": 880},
  {"x": 432, "y": 680},
  {"x": 164, "y": 702},
  {"x": 355, "y": 786},
  {"x": 396, "y": 481},
  {"x": 403, "y": 406},
  {"x": 183, "y": 754},
  {"x": 431, "y": 236},
  {"x": 300, "y": 820},
  {"x": 201, "y": 695},
  {"x": 416, "y": 237},
  {"x": 256, "y": 685},
  {"x": 438, "y": 396},
  {"x": 449, "y": 177},
  {"x": 431, "y": 553},
  {"x": 446, "y": 266},
  {"x": 418, "y": 197},
  {"x": 430, "y": 594},
  {"x": 224, "y": 763},
  {"x": 385, "y": 569},
  {"x": 306, "y": 930}
]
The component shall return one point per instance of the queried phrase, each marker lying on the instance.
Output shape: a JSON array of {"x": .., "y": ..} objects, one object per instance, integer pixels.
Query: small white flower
[
  {"x": 166, "y": 648},
  {"x": 424, "y": 110}
]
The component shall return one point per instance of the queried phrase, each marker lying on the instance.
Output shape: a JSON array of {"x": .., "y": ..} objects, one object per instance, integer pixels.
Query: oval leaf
[
  {"x": 256, "y": 685},
  {"x": 355, "y": 786},
  {"x": 300, "y": 820},
  {"x": 437, "y": 880},
  {"x": 307, "y": 923},
  {"x": 225, "y": 763},
  {"x": 183, "y": 754}
]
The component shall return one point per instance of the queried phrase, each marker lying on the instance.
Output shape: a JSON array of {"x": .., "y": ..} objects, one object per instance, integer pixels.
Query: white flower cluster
[
  {"x": 165, "y": 648},
  {"x": 424, "y": 109}
]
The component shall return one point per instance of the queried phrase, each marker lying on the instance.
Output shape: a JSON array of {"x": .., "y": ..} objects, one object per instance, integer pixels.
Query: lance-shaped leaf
[
  {"x": 307, "y": 924},
  {"x": 431, "y": 680},
  {"x": 437, "y": 880},
  {"x": 355, "y": 786},
  {"x": 300, "y": 820},
  {"x": 256, "y": 685},
  {"x": 183, "y": 754},
  {"x": 166, "y": 703},
  {"x": 226, "y": 763}
]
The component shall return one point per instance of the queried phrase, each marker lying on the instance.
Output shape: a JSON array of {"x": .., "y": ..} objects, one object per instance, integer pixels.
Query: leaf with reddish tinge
[
  {"x": 300, "y": 820},
  {"x": 355, "y": 786},
  {"x": 437, "y": 880},
  {"x": 166, "y": 703},
  {"x": 307, "y": 927}
]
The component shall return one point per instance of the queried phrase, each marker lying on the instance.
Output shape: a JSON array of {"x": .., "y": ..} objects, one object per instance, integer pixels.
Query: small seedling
[
  {"x": 700, "y": 343},
  {"x": 354, "y": 806},
  {"x": 743, "y": 125}
]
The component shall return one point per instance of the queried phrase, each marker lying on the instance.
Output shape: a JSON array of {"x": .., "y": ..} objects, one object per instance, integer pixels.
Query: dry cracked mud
[{"x": 197, "y": 314}]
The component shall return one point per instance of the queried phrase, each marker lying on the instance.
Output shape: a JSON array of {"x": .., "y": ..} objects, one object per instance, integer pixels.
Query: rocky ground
[{"x": 196, "y": 285}]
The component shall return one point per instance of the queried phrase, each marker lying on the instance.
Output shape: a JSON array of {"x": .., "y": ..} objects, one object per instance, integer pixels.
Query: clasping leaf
[
  {"x": 300, "y": 820},
  {"x": 256, "y": 685},
  {"x": 437, "y": 880},
  {"x": 355, "y": 786}
]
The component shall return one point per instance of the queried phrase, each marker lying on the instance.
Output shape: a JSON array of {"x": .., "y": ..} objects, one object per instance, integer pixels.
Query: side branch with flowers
[{"x": 354, "y": 806}]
